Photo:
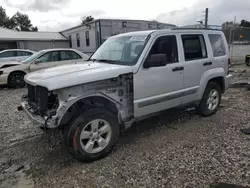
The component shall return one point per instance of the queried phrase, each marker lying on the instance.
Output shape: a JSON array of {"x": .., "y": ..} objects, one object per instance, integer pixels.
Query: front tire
[
  {"x": 16, "y": 80},
  {"x": 92, "y": 135},
  {"x": 211, "y": 99}
]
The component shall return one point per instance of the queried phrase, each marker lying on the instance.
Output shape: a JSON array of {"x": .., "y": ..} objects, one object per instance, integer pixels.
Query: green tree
[
  {"x": 87, "y": 19},
  {"x": 4, "y": 19},
  {"x": 227, "y": 24},
  {"x": 19, "y": 21},
  {"x": 244, "y": 23}
]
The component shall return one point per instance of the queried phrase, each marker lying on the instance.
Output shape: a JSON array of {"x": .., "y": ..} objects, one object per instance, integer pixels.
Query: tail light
[
  {"x": 229, "y": 62},
  {"x": 229, "y": 65}
]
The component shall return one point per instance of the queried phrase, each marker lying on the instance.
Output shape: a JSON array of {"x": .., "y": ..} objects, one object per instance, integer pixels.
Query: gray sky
[{"x": 56, "y": 15}]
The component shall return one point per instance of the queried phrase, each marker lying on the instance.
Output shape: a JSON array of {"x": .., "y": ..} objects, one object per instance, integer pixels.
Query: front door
[
  {"x": 159, "y": 88},
  {"x": 47, "y": 60}
]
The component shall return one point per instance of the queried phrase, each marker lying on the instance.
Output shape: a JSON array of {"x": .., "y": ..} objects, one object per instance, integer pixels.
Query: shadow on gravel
[
  {"x": 225, "y": 185},
  {"x": 164, "y": 119},
  {"x": 4, "y": 87}
]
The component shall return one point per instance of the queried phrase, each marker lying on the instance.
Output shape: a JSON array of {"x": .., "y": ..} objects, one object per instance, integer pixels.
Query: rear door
[
  {"x": 196, "y": 61},
  {"x": 47, "y": 60}
]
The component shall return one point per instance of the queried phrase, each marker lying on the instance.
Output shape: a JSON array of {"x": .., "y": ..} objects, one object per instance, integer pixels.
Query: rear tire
[
  {"x": 92, "y": 135},
  {"x": 210, "y": 101},
  {"x": 16, "y": 80}
]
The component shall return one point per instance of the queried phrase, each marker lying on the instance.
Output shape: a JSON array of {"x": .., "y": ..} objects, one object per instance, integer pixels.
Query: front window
[
  {"x": 124, "y": 50},
  {"x": 49, "y": 57},
  {"x": 32, "y": 58}
]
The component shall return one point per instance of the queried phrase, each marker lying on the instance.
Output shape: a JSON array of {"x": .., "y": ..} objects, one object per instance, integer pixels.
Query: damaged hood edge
[{"x": 75, "y": 74}]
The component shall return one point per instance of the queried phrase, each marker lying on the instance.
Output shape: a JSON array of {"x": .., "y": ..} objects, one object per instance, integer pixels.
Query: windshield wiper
[
  {"x": 92, "y": 60},
  {"x": 105, "y": 61}
]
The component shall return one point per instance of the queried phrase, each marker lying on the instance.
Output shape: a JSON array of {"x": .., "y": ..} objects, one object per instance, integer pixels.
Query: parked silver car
[
  {"x": 130, "y": 77},
  {"x": 14, "y": 55},
  {"x": 12, "y": 73}
]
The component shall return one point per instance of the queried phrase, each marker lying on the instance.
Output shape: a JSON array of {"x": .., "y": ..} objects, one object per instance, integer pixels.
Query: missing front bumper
[{"x": 36, "y": 119}]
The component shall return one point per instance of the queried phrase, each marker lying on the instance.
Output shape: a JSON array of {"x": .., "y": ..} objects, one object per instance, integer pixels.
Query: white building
[
  {"x": 11, "y": 39},
  {"x": 87, "y": 38}
]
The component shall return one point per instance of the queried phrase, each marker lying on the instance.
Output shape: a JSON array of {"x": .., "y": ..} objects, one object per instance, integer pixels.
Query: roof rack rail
[{"x": 192, "y": 28}]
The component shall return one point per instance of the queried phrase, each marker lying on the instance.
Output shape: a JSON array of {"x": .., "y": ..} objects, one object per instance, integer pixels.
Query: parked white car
[
  {"x": 14, "y": 55},
  {"x": 12, "y": 73},
  {"x": 130, "y": 77}
]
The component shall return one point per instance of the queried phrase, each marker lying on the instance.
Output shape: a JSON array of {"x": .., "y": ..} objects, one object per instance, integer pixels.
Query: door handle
[
  {"x": 178, "y": 69},
  {"x": 207, "y": 63}
]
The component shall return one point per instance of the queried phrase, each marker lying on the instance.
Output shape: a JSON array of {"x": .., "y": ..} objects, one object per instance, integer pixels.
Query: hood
[
  {"x": 75, "y": 74},
  {"x": 9, "y": 64}
]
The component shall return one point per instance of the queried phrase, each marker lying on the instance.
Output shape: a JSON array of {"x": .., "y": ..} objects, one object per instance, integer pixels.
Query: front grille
[
  {"x": 41, "y": 100},
  {"x": 31, "y": 93},
  {"x": 38, "y": 98}
]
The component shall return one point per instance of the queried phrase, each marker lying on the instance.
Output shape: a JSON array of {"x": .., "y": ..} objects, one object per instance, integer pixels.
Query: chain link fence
[{"x": 238, "y": 39}]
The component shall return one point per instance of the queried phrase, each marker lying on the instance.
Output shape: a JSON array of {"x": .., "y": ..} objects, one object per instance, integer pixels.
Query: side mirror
[
  {"x": 156, "y": 60},
  {"x": 37, "y": 61}
]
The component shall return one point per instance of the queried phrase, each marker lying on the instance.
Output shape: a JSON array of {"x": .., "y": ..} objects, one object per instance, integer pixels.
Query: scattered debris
[
  {"x": 239, "y": 84},
  {"x": 245, "y": 131},
  {"x": 14, "y": 168}
]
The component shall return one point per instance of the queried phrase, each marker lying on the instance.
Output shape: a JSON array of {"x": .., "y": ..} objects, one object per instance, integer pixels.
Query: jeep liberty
[{"x": 128, "y": 78}]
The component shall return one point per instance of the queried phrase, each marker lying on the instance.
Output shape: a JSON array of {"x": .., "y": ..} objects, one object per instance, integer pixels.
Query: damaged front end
[
  {"x": 55, "y": 108},
  {"x": 41, "y": 105}
]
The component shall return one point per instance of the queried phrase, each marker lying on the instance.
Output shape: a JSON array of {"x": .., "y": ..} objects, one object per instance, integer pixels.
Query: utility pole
[
  {"x": 232, "y": 29},
  {"x": 206, "y": 18}
]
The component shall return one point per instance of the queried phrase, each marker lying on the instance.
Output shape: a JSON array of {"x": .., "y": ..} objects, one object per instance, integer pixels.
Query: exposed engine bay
[{"x": 61, "y": 105}]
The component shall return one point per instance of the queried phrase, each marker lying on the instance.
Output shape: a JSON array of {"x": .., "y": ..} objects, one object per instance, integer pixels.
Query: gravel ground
[{"x": 176, "y": 149}]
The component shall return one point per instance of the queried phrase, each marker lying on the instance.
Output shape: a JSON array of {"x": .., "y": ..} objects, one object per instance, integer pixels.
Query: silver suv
[{"x": 130, "y": 77}]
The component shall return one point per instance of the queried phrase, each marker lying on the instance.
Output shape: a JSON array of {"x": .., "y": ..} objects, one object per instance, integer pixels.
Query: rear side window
[
  {"x": 217, "y": 44},
  {"x": 69, "y": 55},
  {"x": 194, "y": 47},
  {"x": 8, "y": 54},
  {"x": 23, "y": 53}
]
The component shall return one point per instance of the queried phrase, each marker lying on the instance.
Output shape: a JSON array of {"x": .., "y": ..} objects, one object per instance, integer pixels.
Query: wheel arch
[
  {"x": 86, "y": 103},
  {"x": 13, "y": 72},
  {"x": 16, "y": 71},
  {"x": 216, "y": 75}
]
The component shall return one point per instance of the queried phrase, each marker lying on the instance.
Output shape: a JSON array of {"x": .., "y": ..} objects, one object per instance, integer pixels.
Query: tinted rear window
[
  {"x": 194, "y": 47},
  {"x": 217, "y": 44},
  {"x": 23, "y": 53}
]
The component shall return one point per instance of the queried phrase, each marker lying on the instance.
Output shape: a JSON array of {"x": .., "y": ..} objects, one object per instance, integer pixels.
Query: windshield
[
  {"x": 32, "y": 58},
  {"x": 123, "y": 50}
]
